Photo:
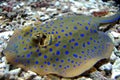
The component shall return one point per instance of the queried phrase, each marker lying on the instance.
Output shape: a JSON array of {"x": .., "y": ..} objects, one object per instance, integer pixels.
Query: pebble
[
  {"x": 4, "y": 68},
  {"x": 116, "y": 69},
  {"x": 113, "y": 57},
  {"x": 27, "y": 75},
  {"x": 37, "y": 78},
  {"x": 51, "y": 10},
  {"x": 5, "y": 35},
  {"x": 57, "y": 3},
  {"x": 14, "y": 74},
  {"x": 45, "y": 17},
  {"x": 107, "y": 67},
  {"x": 98, "y": 76},
  {"x": 115, "y": 34}
]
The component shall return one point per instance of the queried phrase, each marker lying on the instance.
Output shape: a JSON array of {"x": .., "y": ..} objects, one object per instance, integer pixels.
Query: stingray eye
[{"x": 43, "y": 39}]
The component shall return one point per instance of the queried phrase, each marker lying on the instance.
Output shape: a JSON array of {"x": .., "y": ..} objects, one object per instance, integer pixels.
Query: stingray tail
[{"x": 111, "y": 19}]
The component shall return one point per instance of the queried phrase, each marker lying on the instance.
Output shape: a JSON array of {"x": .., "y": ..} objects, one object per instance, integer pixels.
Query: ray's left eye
[{"x": 43, "y": 39}]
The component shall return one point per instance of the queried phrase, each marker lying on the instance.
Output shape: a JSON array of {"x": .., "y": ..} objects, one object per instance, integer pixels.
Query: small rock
[
  {"x": 37, "y": 78},
  {"x": 116, "y": 69},
  {"x": 97, "y": 76},
  {"x": 51, "y": 10},
  {"x": 113, "y": 57},
  {"x": 14, "y": 73},
  {"x": 3, "y": 59},
  {"x": 115, "y": 34},
  {"x": 28, "y": 75},
  {"x": 57, "y": 3},
  {"x": 4, "y": 68},
  {"x": 65, "y": 9},
  {"x": 45, "y": 17},
  {"x": 5, "y": 35},
  {"x": 83, "y": 78},
  {"x": 107, "y": 67}
]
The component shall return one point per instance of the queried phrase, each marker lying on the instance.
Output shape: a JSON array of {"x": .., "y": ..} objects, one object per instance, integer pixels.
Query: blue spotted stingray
[{"x": 67, "y": 46}]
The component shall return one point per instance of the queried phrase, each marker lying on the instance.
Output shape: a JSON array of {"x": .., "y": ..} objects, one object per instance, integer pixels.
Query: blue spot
[
  {"x": 57, "y": 59},
  {"x": 69, "y": 41},
  {"x": 66, "y": 52},
  {"x": 64, "y": 46},
  {"x": 91, "y": 30},
  {"x": 50, "y": 49},
  {"x": 72, "y": 61},
  {"x": 75, "y": 55},
  {"x": 66, "y": 34},
  {"x": 91, "y": 38},
  {"x": 54, "y": 65},
  {"x": 45, "y": 56},
  {"x": 56, "y": 32},
  {"x": 41, "y": 66},
  {"x": 82, "y": 35},
  {"x": 80, "y": 24},
  {"x": 75, "y": 27},
  {"x": 62, "y": 61},
  {"x": 66, "y": 27},
  {"x": 80, "y": 57},
  {"x": 72, "y": 47},
  {"x": 62, "y": 30},
  {"x": 76, "y": 44},
  {"x": 28, "y": 61},
  {"x": 102, "y": 46},
  {"x": 31, "y": 52},
  {"x": 31, "y": 30},
  {"x": 88, "y": 23},
  {"x": 16, "y": 60},
  {"x": 72, "y": 39},
  {"x": 19, "y": 37},
  {"x": 58, "y": 53},
  {"x": 61, "y": 18},
  {"x": 72, "y": 20},
  {"x": 59, "y": 36},
  {"x": 35, "y": 28},
  {"x": 40, "y": 28},
  {"x": 57, "y": 44},
  {"x": 25, "y": 48},
  {"x": 94, "y": 41},
  {"x": 36, "y": 62},
  {"x": 64, "y": 67},
  {"x": 28, "y": 55},
  {"x": 27, "y": 32},
  {"x": 95, "y": 31},
  {"x": 48, "y": 63},
  {"x": 92, "y": 50},
  {"x": 37, "y": 50},
  {"x": 86, "y": 27},
  {"x": 39, "y": 54},
  {"x": 52, "y": 32},
  {"x": 60, "y": 66},
  {"x": 30, "y": 34},
  {"x": 68, "y": 60},
  {"x": 95, "y": 47},
  {"x": 98, "y": 42},
  {"x": 88, "y": 43},
  {"x": 70, "y": 33},
  {"x": 45, "y": 62},
  {"x": 83, "y": 45},
  {"x": 68, "y": 66},
  {"x": 61, "y": 25},
  {"x": 44, "y": 31},
  {"x": 82, "y": 52}
]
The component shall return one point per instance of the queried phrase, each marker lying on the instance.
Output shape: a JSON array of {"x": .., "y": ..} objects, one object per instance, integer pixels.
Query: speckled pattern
[{"x": 67, "y": 46}]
